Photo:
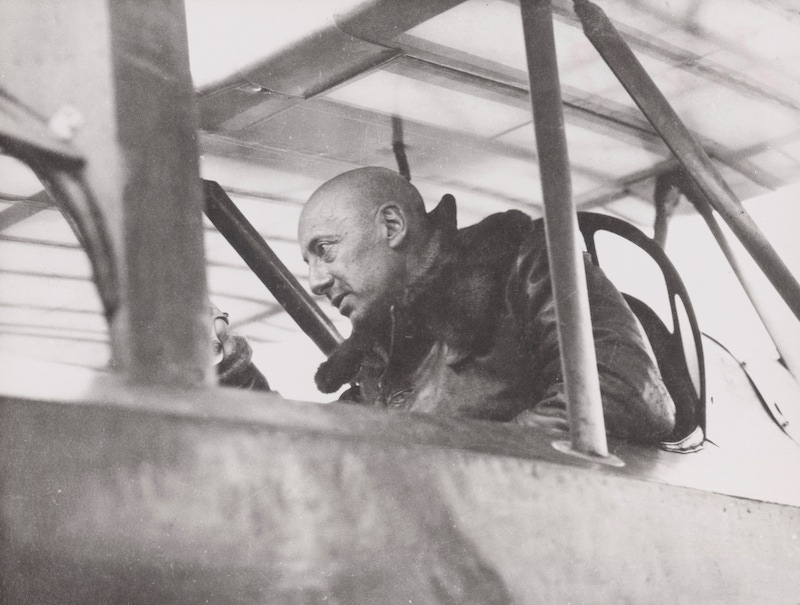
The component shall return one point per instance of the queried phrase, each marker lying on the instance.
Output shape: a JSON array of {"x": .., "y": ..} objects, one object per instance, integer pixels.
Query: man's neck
[{"x": 422, "y": 258}]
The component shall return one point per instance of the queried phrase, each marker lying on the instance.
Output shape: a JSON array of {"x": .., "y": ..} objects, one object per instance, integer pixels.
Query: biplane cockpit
[{"x": 156, "y": 156}]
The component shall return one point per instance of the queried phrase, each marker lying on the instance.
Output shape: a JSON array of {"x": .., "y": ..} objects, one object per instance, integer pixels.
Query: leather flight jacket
[{"x": 474, "y": 335}]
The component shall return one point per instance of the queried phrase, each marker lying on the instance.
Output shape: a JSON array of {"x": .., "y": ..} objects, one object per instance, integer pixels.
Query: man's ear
[{"x": 391, "y": 221}]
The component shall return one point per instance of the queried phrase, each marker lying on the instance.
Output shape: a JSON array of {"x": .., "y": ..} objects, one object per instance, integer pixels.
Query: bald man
[
  {"x": 363, "y": 235},
  {"x": 462, "y": 322}
]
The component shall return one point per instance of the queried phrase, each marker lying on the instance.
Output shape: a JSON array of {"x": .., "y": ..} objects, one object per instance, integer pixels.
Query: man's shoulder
[
  {"x": 513, "y": 225},
  {"x": 498, "y": 237},
  {"x": 498, "y": 223}
]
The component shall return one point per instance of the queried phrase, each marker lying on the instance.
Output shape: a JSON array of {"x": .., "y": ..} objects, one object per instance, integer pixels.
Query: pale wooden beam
[{"x": 123, "y": 65}]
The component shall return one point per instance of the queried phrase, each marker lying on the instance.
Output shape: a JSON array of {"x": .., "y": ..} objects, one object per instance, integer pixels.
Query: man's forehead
[
  {"x": 322, "y": 220},
  {"x": 340, "y": 205}
]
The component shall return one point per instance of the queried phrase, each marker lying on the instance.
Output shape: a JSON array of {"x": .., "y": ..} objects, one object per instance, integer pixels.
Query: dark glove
[
  {"x": 237, "y": 368},
  {"x": 232, "y": 356}
]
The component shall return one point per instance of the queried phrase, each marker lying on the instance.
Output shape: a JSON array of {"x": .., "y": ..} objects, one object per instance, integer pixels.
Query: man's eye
[{"x": 324, "y": 249}]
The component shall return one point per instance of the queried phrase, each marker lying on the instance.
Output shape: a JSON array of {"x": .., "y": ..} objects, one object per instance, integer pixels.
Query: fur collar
[{"x": 454, "y": 294}]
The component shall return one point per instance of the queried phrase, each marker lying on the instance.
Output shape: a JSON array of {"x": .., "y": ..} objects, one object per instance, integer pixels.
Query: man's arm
[
  {"x": 233, "y": 356},
  {"x": 237, "y": 368},
  {"x": 636, "y": 404}
]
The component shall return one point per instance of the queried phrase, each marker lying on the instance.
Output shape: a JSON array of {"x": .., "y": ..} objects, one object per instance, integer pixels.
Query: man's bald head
[
  {"x": 361, "y": 192},
  {"x": 358, "y": 233}
]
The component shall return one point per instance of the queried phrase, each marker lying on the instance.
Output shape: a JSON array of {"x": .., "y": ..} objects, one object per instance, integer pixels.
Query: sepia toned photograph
[{"x": 399, "y": 302}]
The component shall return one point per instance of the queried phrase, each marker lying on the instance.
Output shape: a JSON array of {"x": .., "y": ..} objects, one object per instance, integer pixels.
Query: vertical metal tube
[
  {"x": 567, "y": 273},
  {"x": 619, "y": 57}
]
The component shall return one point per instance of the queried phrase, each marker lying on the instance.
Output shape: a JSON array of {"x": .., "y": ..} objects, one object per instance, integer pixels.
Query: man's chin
[
  {"x": 371, "y": 321},
  {"x": 357, "y": 317},
  {"x": 356, "y": 320},
  {"x": 350, "y": 313}
]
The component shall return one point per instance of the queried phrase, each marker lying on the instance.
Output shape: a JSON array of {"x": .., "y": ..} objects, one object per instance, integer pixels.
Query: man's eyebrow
[
  {"x": 312, "y": 243},
  {"x": 311, "y": 246}
]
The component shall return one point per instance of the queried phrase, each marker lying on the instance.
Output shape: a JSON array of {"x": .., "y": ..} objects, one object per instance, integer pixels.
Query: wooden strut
[
  {"x": 626, "y": 67},
  {"x": 567, "y": 272}
]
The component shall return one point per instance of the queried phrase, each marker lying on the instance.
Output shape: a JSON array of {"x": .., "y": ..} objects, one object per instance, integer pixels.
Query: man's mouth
[
  {"x": 336, "y": 301},
  {"x": 339, "y": 302}
]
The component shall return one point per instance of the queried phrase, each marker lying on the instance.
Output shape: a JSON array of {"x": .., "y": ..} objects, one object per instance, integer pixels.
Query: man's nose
[{"x": 319, "y": 279}]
